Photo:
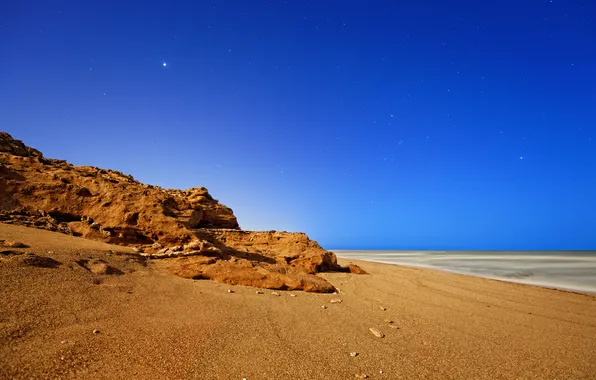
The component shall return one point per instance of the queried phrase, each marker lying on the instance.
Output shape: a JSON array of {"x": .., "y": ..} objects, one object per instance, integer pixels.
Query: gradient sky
[{"x": 439, "y": 124}]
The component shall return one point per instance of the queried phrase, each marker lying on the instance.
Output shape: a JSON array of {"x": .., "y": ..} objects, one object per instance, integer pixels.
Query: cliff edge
[{"x": 198, "y": 235}]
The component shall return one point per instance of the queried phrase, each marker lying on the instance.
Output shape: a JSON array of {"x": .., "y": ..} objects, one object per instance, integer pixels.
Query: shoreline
[
  {"x": 361, "y": 262},
  {"x": 542, "y": 284}
]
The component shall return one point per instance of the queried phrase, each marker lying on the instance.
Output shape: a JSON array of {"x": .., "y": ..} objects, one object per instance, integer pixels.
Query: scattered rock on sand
[
  {"x": 336, "y": 300},
  {"x": 230, "y": 291},
  {"x": 393, "y": 326},
  {"x": 138, "y": 250},
  {"x": 323, "y": 307},
  {"x": 382, "y": 308},
  {"x": 353, "y": 354},
  {"x": 361, "y": 376},
  {"x": 95, "y": 331},
  {"x": 388, "y": 320},
  {"x": 7, "y": 252},
  {"x": 33, "y": 260},
  {"x": 292, "y": 295},
  {"x": 259, "y": 292},
  {"x": 13, "y": 244},
  {"x": 353, "y": 268},
  {"x": 101, "y": 267},
  {"x": 274, "y": 293},
  {"x": 376, "y": 332}
]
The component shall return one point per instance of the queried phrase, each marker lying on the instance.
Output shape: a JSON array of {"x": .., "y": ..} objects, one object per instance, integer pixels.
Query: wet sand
[{"x": 153, "y": 325}]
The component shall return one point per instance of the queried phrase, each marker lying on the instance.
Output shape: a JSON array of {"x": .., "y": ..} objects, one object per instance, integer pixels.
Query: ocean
[{"x": 567, "y": 270}]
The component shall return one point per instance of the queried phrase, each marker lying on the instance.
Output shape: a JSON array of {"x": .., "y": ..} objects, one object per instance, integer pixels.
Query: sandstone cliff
[{"x": 199, "y": 235}]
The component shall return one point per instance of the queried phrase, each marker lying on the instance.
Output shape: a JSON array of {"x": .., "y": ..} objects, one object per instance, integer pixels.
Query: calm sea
[{"x": 569, "y": 270}]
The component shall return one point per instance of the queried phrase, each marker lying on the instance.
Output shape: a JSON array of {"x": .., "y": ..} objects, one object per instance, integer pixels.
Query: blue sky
[{"x": 368, "y": 125}]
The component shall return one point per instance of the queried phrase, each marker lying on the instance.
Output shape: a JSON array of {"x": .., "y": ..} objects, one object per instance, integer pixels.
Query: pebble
[
  {"x": 64, "y": 342},
  {"x": 393, "y": 326},
  {"x": 353, "y": 354},
  {"x": 324, "y": 307},
  {"x": 334, "y": 293},
  {"x": 361, "y": 376},
  {"x": 274, "y": 293},
  {"x": 336, "y": 300},
  {"x": 138, "y": 250},
  {"x": 388, "y": 321},
  {"x": 96, "y": 331},
  {"x": 292, "y": 295},
  {"x": 376, "y": 332},
  {"x": 230, "y": 291},
  {"x": 259, "y": 292},
  {"x": 381, "y": 372},
  {"x": 382, "y": 308}
]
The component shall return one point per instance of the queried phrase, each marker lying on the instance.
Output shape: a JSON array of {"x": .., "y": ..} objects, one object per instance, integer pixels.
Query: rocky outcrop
[
  {"x": 100, "y": 204},
  {"x": 198, "y": 235}
]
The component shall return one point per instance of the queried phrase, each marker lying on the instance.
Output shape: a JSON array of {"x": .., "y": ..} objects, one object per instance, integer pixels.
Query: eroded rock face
[
  {"x": 99, "y": 204},
  {"x": 284, "y": 248},
  {"x": 198, "y": 235},
  {"x": 249, "y": 273}
]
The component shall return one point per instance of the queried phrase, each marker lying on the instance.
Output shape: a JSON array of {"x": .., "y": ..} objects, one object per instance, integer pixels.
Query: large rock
[
  {"x": 100, "y": 204},
  {"x": 249, "y": 273},
  {"x": 113, "y": 207}
]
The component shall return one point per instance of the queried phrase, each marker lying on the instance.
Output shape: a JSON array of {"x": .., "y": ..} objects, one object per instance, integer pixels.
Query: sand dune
[{"x": 154, "y": 325}]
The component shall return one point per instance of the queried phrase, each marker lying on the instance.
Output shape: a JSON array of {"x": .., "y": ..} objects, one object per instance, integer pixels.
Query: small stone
[
  {"x": 230, "y": 291},
  {"x": 156, "y": 245},
  {"x": 376, "y": 332},
  {"x": 382, "y": 308},
  {"x": 138, "y": 250},
  {"x": 334, "y": 293},
  {"x": 393, "y": 326},
  {"x": 50, "y": 252},
  {"x": 259, "y": 292},
  {"x": 292, "y": 295},
  {"x": 96, "y": 331},
  {"x": 14, "y": 244},
  {"x": 177, "y": 248},
  {"x": 64, "y": 342},
  {"x": 353, "y": 354},
  {"x": 388, "y": 321},
  {"x": 323, "y": 307},
  {"x": 274, "y": 293},
  {"x": 336, "y": 300},
  {"x": 381, "y": 372},
  {"x": 361, "y": 376}
]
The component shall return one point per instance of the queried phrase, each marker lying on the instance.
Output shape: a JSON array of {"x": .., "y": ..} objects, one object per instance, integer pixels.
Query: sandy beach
[{"x": 59, "y": 319}]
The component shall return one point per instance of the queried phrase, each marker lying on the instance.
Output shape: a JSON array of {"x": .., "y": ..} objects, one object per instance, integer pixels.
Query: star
[
  {"x": 521, "y": 157},
  {"x": 164, "y": 64}
]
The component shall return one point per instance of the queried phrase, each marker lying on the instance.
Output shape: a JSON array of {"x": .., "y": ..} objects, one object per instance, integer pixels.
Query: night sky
[{"x": 440, "y": 124}]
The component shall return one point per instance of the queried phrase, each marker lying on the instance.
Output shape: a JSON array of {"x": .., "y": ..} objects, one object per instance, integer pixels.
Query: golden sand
[{"x": 151, "y": 324}]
